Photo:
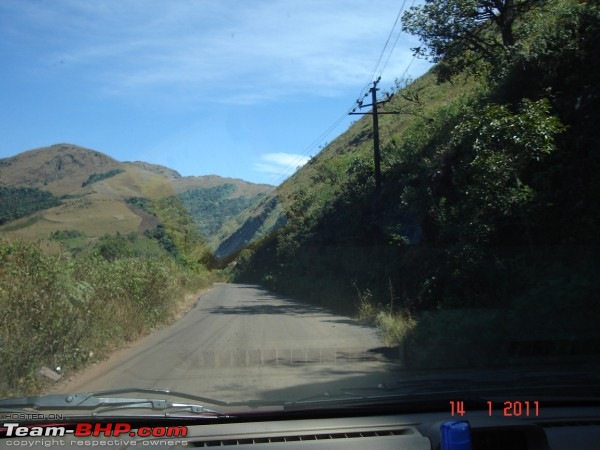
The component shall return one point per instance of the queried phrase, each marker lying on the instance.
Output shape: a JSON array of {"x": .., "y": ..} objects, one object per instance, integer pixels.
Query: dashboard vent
[{"x": 300, "y": 438}]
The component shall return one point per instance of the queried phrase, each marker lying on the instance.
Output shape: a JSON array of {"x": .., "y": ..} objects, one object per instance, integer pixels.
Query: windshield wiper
[{"x": 108, "y": 401}]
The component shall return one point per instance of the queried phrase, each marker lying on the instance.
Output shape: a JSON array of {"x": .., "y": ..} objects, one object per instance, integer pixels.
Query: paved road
[{"x": 241, "y": 343}]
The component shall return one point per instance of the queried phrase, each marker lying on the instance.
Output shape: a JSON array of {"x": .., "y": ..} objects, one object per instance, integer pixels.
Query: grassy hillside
[
  {"x": 66, "y": 187},
  {"x": 60, "y": 169},
  {"x": 487, "y": 224},
  {"x": 329, "y": 173},
  {"x": 260, "y": 221}
]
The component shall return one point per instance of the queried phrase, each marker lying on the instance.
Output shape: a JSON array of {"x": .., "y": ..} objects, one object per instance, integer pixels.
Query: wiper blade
[{"x": 107, "y": 401}]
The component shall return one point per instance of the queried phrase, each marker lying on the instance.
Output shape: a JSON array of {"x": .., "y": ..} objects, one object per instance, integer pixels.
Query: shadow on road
[
  {"x": 258, "y": 307},
  {"x": 290, "y": 357},
  {"x": 359, "y": 382},
  {"x": 268, "y": 303},
  {"x": 345, "y": 321}
]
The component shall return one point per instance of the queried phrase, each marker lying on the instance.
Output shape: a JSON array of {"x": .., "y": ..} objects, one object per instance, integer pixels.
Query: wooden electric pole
[{"x": 375, "y": 113}]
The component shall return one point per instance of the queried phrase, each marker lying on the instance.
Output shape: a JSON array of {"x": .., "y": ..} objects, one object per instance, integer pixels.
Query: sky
[{"x": 247, "y": 89}]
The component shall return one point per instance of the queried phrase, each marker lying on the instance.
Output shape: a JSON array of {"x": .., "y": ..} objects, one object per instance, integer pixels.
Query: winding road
[{"x": 241, "y": 343}]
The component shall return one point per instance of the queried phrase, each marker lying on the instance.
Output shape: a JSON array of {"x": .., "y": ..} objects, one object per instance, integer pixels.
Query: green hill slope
[
  {"x": 489, "y": 200},
  {"x": 335, "y": 168},
  {"x": 214, "y": 201}
]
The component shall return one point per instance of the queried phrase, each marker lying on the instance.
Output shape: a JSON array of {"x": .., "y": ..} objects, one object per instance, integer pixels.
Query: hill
[
  {"x": 65, "y": 187},
  {"x": 488, "y": 202},
  {"x": 60, "y": 169},
  {"x": 332, "y": 171}
]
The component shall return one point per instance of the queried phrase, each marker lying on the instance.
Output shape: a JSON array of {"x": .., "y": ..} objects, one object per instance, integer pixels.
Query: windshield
[{"x": 299, "y": 204}]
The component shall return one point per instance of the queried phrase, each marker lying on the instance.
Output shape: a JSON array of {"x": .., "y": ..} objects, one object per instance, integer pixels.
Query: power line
[
  {"x": 367, "y": 89},
  {"x": 390, "y": 53},
  {"x": 388, "y": 41},
  {"x": 394, "y": 46},
  {"x": 313, "y": 145},
  {"x": 286, "y": 173}
]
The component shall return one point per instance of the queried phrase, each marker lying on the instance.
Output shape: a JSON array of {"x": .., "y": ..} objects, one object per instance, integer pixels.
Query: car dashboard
[{"x": 556, "y": 429}]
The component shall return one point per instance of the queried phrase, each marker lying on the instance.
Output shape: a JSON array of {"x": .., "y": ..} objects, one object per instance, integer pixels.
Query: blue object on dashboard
[{"x": 456, "y": 435}]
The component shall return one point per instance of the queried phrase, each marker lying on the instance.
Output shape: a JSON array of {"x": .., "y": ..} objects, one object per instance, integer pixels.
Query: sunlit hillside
[{"x": 67, "y": 187}]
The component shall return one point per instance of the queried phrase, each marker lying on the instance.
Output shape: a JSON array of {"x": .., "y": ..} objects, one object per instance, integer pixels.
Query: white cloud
[
  {"x": 280, "y": 163},
  {"x": 220, "y": 50}
]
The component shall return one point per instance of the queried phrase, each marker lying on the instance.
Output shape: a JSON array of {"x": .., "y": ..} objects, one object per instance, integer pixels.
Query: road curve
[{"x": 241, "y": 342}]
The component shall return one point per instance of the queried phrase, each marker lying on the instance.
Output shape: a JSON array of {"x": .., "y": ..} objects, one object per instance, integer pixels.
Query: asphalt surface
[{"x": 242, "y": 343}]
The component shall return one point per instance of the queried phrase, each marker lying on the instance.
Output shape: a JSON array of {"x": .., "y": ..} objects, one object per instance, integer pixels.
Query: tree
[{"x": 460, "y": 33}]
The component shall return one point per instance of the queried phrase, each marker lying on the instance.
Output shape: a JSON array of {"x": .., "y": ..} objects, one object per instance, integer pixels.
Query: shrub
[{"x": 58, "y": 311}]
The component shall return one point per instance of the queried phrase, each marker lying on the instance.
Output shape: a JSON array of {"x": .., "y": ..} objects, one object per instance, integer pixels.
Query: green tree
[
  {"x": 17, "y": 202},
  {"x": 458, "y": 33}
]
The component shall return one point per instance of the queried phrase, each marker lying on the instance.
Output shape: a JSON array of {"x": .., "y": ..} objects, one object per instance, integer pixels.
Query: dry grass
[
  {"x": 93, "y": 215},
  {"x": 395, "y": 326}
]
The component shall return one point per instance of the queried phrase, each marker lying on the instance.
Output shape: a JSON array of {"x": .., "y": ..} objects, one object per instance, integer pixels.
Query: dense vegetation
[
  {"x": 70, "y": 307},
  {"x": 17, "y": 202},
  {"x": 66, "y": 234},
  {"x": 489, "y": 201},
  {"x": 262, "y": 221},
  {"x": 177, "y": 232},
  {"x": 212, "y": 207},
  {"x": 68, "y": 312},
  {"x": 95, "y": 177}
]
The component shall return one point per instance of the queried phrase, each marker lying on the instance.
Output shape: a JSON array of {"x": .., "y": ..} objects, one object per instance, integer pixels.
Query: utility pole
[{"x": 375, "y": 113}]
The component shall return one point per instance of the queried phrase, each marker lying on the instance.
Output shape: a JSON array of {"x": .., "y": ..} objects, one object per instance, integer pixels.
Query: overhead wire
[
  {"x": 390, "y": 53},
  {"x": 388, "y": 41},
  {"x": 394, "y": 46},
  {"x": 276, "y": 179},
  {"x": 313, "y": 145}
]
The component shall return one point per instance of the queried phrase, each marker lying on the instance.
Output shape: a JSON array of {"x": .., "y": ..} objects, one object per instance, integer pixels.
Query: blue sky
[{"x": 239, "y": 88}]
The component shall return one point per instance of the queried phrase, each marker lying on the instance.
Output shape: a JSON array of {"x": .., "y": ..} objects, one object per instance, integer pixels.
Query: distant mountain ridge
[{"x": 91, "y": 193}]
